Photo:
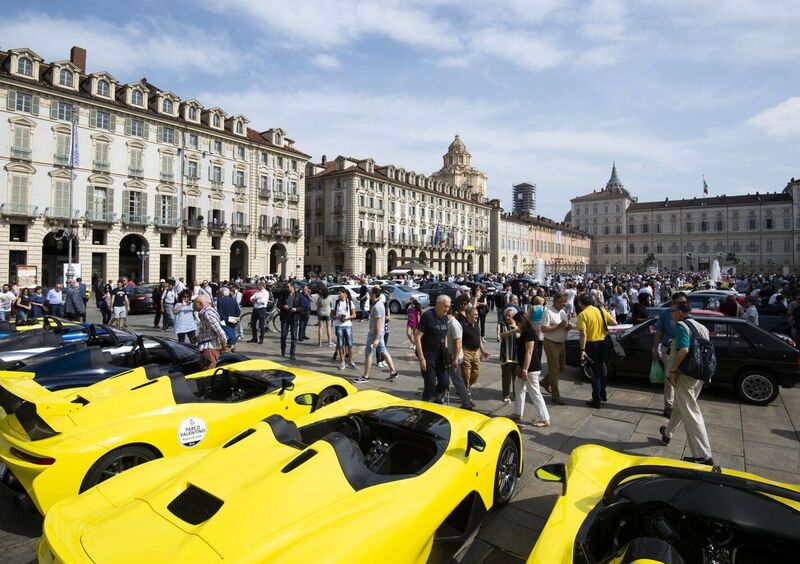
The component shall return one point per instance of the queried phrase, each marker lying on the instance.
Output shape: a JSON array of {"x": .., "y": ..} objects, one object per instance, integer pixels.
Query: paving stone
[
  {"x": 499, "y": 556},
  {"x": 721, "y": 414},
  {"x": 632, "y": 398},
  {"x": 777, "y": 437},
  {"x": 770, "y": 456},
  {"x": 773, "y": 413},
  {"x": 606, "y": 430},
  {"x": 477, "y": 552},
  {"x": 726, "y": 440},
  {"x": 729, "y": 461},
  {"x": 512, "y": 530},
  {"x": 537, "y": 498},
  {"x": 611, "y": 410},
  {"x": 647, "y": 445}
]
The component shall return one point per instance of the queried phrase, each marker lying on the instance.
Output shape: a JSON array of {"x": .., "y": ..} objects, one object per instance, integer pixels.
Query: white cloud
[
  {"x": 517, "y": 47},
  {"x": 139, "y": 46},
  {"x": 780, "y": 121},
  {"x": 604, "y": 19},
  {"x": 326, "y": 61}
]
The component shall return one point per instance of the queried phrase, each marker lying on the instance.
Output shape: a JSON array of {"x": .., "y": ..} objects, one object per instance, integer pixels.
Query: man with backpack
[
  {"x": 344, "y": 312},
  {"x": 692, "y": 345}
]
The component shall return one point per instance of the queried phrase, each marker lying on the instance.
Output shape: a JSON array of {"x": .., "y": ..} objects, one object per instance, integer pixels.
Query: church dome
[{"x": 457, "y": 145}]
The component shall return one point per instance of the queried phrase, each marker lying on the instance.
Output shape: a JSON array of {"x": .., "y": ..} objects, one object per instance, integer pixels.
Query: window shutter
[
  {"x": 160, "y": 134},
  {"x": 112, "y": 123},
  {"x": 128, "y": 125},
  {"x": 53, "y": 109},
  {"x": 146, "y": 132},
  {"x": 11, "y": 101},
  {"x": 35, "y": 105},
  {"x": 89, "y": 198},
  {"x": 109, "y": 200},
  {"x": 126, "y": 198},
  {"x": 144, "y": 203},
  {"x": 92, "y": 118}
]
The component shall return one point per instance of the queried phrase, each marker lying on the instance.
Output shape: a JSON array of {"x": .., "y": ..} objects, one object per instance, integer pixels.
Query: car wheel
[
  {"x": 116, "y": 462},
  {"x": 394, "y": 307},
  {"x": 328, "y": 396},
  {"x": 506, "y": 472},
  {"x": 758, "y": 387}
]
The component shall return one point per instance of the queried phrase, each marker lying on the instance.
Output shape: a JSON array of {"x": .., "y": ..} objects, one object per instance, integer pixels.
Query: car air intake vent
[
  {"x": 239, "y": 437},
  {"x": 298, "y": 460},
  {"x": 195, "y": 506}
]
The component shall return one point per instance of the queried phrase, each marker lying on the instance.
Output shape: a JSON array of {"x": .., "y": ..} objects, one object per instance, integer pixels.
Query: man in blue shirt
[{"x": 665, "y": 332}]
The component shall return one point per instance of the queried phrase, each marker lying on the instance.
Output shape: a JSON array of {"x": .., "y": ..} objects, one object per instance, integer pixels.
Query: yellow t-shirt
[{"x": 591, "y": 323}]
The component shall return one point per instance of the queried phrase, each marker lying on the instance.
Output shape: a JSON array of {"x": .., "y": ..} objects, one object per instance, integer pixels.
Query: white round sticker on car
[{"x": 191, "y": 431}]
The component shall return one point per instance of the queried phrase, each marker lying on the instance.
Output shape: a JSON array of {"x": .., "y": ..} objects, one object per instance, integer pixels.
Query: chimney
[
  {"x": 324, "y": 160},
  {"x": 77, "y": 56}
]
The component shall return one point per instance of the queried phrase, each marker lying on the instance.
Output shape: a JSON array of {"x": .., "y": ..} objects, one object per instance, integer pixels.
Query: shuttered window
[
  {"x": 22, "y": 101},
  {"x": 62, "y": 145},
  {"x": 102, "y": 120},
  {"x": 22, "y": 138},
  {"x": 166, "y": 207},
  {"x": 19, "y": 190},
  {"x": 60, "y": 199},
  {"x": 61, "y": 110}
]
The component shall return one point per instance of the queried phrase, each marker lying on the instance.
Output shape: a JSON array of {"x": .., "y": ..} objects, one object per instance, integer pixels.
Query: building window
[
  {"x": 751, "y": 223},
  {"x": 216, "y": 173},
  {"x": 167, "y": 162},
  {"x": 167, "y": 107},
  {"x": 240, "y": 153},
  {"x": 216, "y": 147},
  {"x": 239, "y": 128},
  {"x": 631, "y": 228},
  {"x": 192, "y": 113},
  {"x": 280, "y": 165},
  {"x": 689, "y": 227},
  {"x": 770, "y": 223},
  {"x": 137, "y": 127},
  {"x": 193, "y": 141},
  {"x": 645, "y": 227},
  {"x": 136, "y": 166},
  {"x": 134, "y": 204},
  {"x": 631, "y": 248},
  {"x": 101, "y": 163},
  {"x": 293, "y": 187},
  {"x": 137, "y": 98},
  {"x": 24, "y": 102},
  {"x": 22, "y": 143},
  {"x": 25, "y": 66},
  {"x": 65, "y": 78},
  {"x": 191, "y": 169},
  {"x": 60, "y": 198},
  {"x": 238, "y": 178},
  {"x": 103, "y": 88},
  {"x": 215, "y": 121},
  {"x": 63, "y": 111},
  {"x": 167, "y": 134},
  {"x": 279, "y": 185},
  {"x": 102, "y": 120}
]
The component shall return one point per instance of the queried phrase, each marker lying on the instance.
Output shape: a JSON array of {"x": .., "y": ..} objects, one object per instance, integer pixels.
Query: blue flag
[{"x": 74, "y": 154}]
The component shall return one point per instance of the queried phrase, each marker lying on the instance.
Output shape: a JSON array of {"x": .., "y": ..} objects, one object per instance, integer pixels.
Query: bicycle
[{"x": 273, "y": 321}]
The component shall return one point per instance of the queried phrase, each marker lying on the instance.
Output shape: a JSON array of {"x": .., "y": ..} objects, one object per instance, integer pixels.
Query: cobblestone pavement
[{"x": 763, "y": 440}]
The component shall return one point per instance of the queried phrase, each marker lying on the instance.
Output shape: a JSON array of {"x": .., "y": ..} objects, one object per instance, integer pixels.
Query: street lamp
[{"x": 143, "y": 256}]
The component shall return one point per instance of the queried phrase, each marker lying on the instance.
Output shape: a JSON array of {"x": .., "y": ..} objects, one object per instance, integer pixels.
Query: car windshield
[{"x": 405, "y": 288}]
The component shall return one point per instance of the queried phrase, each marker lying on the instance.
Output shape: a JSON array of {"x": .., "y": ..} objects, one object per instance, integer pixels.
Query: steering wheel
[
  {"x": 50, "y": 323},
  {"x": 138, "y": 354},
  {"x": 353, "y": 427},
  {"x": 93, "y": 339}
]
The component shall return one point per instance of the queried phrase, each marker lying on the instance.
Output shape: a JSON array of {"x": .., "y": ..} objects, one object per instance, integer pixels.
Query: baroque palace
[
  {"x": 759, "y": 231},
  {"x": 163, "y": 186}
]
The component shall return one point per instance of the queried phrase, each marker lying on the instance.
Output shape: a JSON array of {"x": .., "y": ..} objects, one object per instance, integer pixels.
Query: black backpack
[{"x": 701, "y": 362}]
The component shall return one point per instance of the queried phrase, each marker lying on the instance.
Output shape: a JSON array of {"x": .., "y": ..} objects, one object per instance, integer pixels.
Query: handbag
[
  {"x": 615, "y": 346},
  {"x": 233, "y": 320},
  {"x": 656, "y": 373}
]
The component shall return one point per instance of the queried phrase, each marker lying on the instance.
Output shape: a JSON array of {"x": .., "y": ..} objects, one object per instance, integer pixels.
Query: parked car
[
  {"x": 435, "y": 289},
  {"x": 142, "y": 299},
  {"x": 247, "y": 294},
  {"x": 352, "y": 289},
  {"x": 398, "y": 296},
  {"x": 751, "y": 361}
]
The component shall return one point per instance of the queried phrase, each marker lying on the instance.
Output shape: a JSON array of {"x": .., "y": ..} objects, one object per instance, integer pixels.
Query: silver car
[{"x": 399, "y": 296}]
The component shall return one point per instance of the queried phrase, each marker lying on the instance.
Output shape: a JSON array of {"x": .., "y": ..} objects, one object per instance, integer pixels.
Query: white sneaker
[
  {"x": 342, "y": 366},
  {"x": 381, "y": 364},
  {"x": 352, "y": 364}
]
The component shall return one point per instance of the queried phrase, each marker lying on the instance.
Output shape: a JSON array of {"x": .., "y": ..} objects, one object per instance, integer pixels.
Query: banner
[{"x": 27, "y": 275}]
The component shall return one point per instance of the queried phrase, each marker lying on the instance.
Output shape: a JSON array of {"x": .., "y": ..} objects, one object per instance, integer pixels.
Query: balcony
[
  {"x": 294, "y": 198},
  {"x": 216, "y": 185},
  {"x": 57, "y": 215},
  {"x": 335, "y": 238},
  {"x": 192, "y": 180},
  {"x": 167, "y": 176},
  {"x": 194, "y": 224},
  {"x": 217, "y": 226},
  {"x": 20, "y": 154},
  {"x": 264, "y": 193},
  {"x": 19, "y": 210},
  {"x": 371, "y": 238},
  {"x": 338, "y": 209},
  {"x": 135, "y": 172},
  {"x": 296, "y": 232},
  {"x": 279, "y": 196},
  {"x": 264, "y": 230},
  {"x": 164, "y": 222},
  {"x": 135, "y": 219},
  {"x": 100, "y": 217},
  {"x": 61, "y": 160},
  {"x": 240, "y": 188},
  {"x": 240, "y": 229}
]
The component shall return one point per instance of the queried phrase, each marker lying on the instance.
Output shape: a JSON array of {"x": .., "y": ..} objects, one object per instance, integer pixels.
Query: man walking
[
  {"x": 687, "y": 389},
  {"x": 120, "y": 304},
  {"x": 55, "y": 301},
  {"x": 303, "y": 312},
  {"x": 431, "y": 339},
  {"x": 472, "y": 347},
  {"x": 288, "y": 312},
  {"x": 74, "y": 307},
  {"x": 344, "y": 312},
  {"x": 168, "y": 299},
  {"x": 258, "y": 320},
  {"x": 375, "y": 342},
  {"x": 211, "y": 337},
  {"x": 158, "y": 291},
  {"x": 455, "y": 334},
  {"x": 592, "y": 323},
  {"x": 555, "y": 327},
  {"x": 665, "y": 332}
]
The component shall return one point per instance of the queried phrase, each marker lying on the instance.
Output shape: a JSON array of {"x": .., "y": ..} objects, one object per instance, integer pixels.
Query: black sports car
[
  {"x": 435, "y": 289},
  {"x": 753, "y": 362},
  {"x": 53, "y": 332},
  {"x": 84, "y": 365}
]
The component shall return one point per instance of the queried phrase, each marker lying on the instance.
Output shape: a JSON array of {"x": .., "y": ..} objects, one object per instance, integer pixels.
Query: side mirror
[
  {"x": 474, "y": 442},
  {"x": 553, "y": 473},
  {"x": 305, "y": 399},
  {"x": 286, "y": 384}
]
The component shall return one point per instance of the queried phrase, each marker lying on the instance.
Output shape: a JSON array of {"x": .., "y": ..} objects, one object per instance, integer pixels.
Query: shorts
[
  {"x": 323, "y": 318},
  {"x": 120, "y": 312},
  {"x": 370, "y": 350},
  {"x": 344, "y": 336}
]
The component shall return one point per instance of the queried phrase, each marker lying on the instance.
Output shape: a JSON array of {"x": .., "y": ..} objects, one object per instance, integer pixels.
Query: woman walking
[
  {"x": 508, "y": 352},
  {"x": 479, "y": 301},
  {"x": 324, "y": 303},
  {"x": 530, "y": 368},
  {"x": 185, "y": 325},
  {"x": 412, "y": 313}
]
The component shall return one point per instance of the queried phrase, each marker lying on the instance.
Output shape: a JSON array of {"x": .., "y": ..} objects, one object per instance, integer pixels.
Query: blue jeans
[
  {"x": 304, "y": 317},
  {"x": 370, "y": 348},
  {"x": 289, "y": 325},
  {"x": 168, "y": 320},
  {"x": 436, "y": 378},
  {"x": 344, "y": 336},
  {"x": 594, "y": 350},
  {"x": 57, "y": 310},
  {"x": 458, "y": 382}
]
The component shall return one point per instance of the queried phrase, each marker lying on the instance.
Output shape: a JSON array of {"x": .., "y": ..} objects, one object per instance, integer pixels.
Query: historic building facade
[
  {"x": 164, "y": 186},
  {"x": 518, "y": 241},
  {"x": 365, "y": 218},
  {"x": 755, "y": 231}
]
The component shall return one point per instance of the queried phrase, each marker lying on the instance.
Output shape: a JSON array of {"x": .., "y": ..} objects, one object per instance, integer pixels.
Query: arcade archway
[
  {"x": 239, "y": 260},
  {"x": 392, "y": 262},
  {"x": 55, "y": 256},
  {"x": 369, "y": 262},
  {"x": 134, "y": 258},
  {"x": 278, "y": 257}
]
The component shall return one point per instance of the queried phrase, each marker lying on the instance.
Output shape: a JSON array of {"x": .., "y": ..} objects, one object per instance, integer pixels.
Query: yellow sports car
[
  {"x": 617, "y": 508},
  {"x": 370, "y": 478},
  {"x": 54, "y": 445}
]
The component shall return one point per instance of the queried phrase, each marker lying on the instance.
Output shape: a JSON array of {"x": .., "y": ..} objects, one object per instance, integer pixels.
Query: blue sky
[{"x": 546, "y": 91}]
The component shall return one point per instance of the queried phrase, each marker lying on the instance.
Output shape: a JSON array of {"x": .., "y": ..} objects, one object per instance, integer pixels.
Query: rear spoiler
[{"x": 14, "y": 392}]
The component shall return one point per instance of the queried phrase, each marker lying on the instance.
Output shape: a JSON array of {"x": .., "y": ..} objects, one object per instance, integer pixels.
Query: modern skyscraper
[{"x": 525, "y": 199}]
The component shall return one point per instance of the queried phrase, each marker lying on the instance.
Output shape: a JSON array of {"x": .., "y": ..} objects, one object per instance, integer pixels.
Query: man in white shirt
[
  {"x": 258, "y": 321},
  {"x": 555, "y": 327},
  {"x": 168, "y": 300},
  {"x": 179, "y": 286},
  {"x": 7, "y": 299},
  {"x": 375, "y": 339},
  {"x": 344, "y": 311},
  {"x": 751, "y": 313}
]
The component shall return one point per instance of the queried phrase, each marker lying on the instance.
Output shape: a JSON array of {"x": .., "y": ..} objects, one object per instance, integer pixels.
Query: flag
[
  {"x": 705, "y": 187},
  {"x": 436, "y": 235},
  {"x": 74, "y": 154}
]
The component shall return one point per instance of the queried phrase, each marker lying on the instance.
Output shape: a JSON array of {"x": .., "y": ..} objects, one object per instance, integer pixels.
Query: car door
[
  {"x": 732, "y": 349},
  {"x": 638, "y": 345}
]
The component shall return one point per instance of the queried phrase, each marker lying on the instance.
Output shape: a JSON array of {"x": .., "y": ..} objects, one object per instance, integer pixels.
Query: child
[{"x": 413, "y": 313}]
